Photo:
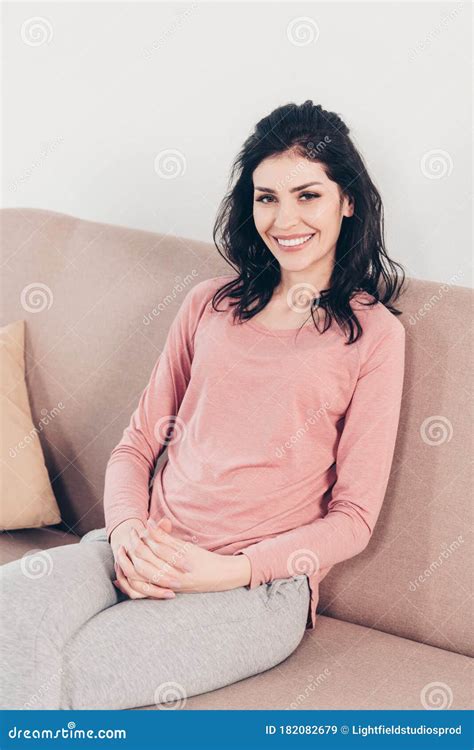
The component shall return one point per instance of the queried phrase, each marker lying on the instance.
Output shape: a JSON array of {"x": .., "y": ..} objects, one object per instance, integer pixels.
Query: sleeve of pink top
[
  {"x": 364, "y": 458},
  {"x": 132, "y": 461}
]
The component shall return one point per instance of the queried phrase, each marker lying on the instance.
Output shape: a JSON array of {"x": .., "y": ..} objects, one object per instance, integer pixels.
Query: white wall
[{"x": 86, "y": 112}]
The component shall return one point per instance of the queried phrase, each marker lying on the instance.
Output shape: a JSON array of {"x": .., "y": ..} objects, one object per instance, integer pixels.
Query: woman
[{"x": 278, "y": 395}]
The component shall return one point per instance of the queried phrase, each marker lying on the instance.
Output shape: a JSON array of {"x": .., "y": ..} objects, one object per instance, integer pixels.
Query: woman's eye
[{"x": 263, "y": 198}]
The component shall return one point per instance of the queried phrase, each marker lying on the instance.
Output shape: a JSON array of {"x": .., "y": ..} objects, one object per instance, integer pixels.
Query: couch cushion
[
  {"x": 28, "y": 500},
  {"x": 344, "y": 666},
  {"x": 15, "y": 544}
]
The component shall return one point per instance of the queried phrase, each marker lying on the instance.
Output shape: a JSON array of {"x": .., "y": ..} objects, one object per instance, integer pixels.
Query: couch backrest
[
  {"x": 102, "y": 298},
  {"x": 414, "y": 579}
]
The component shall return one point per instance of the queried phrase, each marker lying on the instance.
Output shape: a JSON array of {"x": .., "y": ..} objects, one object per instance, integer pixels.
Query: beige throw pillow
[{"x": 26, "y": 497}]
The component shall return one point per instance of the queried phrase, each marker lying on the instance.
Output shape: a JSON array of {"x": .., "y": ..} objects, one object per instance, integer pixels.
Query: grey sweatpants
[{"x": 71, "y": 640}]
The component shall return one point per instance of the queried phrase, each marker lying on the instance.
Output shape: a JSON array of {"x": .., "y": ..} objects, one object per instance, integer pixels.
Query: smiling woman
[
  {"x": 278, "y": 223},
  {"x": 279, "y": 449},
  {"x": 316, "y": 227}
]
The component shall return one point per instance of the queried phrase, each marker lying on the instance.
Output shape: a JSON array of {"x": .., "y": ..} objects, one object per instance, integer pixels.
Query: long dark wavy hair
[{"x": 361, "y": 261}]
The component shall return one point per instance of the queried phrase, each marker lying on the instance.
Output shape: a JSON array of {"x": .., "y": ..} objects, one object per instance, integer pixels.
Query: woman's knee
[
  {"x": 56, "y": 585},
  {"x": 288, "y": 600}
]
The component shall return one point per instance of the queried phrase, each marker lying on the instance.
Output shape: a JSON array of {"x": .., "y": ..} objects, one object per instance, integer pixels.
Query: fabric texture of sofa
[{"x": 394, "y": 624}]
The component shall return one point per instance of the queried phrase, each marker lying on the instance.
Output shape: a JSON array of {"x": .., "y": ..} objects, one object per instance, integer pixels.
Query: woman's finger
[
  {"x": 140, "y": 570},
  {"x": 160, "y": 535},
  {"x": 155, "y": 592},
  {"x": 156, "y": 553},
  {"x": 137, "y": 589},
  {"x": 174, "y": 554},
  {"x": 125, "y": 562},
  {"x": 128, "y": 590},
  {"x": 125, "y": 586},
  {"x": 127, "y": 565}
]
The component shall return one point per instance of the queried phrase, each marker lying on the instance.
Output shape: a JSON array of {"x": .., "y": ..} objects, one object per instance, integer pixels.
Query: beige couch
[{"x": 394, "y": 629}]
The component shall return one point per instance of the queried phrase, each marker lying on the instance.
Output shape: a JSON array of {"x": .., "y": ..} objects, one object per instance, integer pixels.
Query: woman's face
[{"x": 293, "y": 198}]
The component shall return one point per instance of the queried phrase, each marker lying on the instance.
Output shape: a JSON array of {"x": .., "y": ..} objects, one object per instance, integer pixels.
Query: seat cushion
[
  {"x": 339, "y": 665},
  {"x": 15, "y": 544}
]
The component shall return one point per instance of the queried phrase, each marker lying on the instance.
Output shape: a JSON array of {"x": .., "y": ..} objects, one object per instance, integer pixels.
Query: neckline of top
[{"x": 275, "y": 331}]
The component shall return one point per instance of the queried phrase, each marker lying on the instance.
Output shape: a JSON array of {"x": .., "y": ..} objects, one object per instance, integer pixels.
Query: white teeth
[{"x": 292, "y": 243}]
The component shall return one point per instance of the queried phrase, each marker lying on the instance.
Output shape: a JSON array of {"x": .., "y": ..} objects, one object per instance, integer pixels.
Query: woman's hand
[
  {"x": 129, "y": 580},
  {"x": 186, "y": 567}
]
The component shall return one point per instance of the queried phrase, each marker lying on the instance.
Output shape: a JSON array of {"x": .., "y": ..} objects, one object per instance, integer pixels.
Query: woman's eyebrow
[{"x": 293, "y": 190}]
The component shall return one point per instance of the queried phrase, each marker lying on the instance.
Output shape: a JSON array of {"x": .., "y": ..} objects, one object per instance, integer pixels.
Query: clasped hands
[{"x": 156, "y": 564}]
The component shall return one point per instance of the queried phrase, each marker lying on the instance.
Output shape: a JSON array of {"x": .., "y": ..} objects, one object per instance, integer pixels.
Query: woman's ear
[{"x": 348, "y": 209}]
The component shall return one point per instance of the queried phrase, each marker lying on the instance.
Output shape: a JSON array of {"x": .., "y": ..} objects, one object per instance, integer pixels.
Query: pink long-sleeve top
[{"x": 280, "y": 448}]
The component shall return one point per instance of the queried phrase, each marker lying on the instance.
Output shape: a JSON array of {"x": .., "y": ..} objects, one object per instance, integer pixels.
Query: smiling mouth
[{"x": 289, "y": 244}]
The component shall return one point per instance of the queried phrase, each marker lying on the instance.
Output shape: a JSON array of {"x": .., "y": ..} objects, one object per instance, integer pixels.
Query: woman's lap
[{"x": 145, "y": 651}]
